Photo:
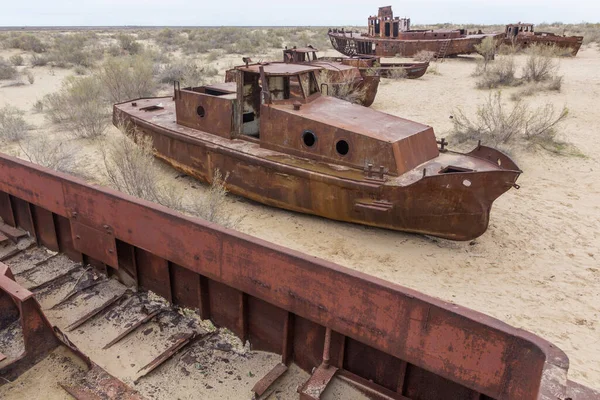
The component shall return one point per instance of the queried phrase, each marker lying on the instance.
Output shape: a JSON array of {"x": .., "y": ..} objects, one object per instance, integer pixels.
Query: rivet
[{"x": 77, "y": 237}]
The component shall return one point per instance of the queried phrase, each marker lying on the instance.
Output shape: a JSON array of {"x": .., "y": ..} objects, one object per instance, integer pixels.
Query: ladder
[{"x": 442, "y": 51}]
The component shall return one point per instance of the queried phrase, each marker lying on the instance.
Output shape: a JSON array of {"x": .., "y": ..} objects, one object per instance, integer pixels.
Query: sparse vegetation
[
  {"x": 30, "y": 76},
  {"x": 50, "y": 153},
  {"x": 397, "y": 73},
  {"x": 187, "y": 72},
  {"x": 500, "y": 73},
  {"x": 26, "y": 42},
  {"x": 498, "y": 125},
  {"x": 347, "y": 91},
  {"x": 13, "y": 126},
  {"x": 127, "y": 78},
  {"x": 424, "y": 56},
  {"x": 131, "y": 168},
  {"x": 541, "y": 64},
  {"x": 39, "y": 60},
  {"x": 487, "y": 49},
  {"x": 7, "y": 71},
  {"x": 129, "y": 44},
  {"x": 81, "y": 105},
  {"x": 16, "y": 60}
]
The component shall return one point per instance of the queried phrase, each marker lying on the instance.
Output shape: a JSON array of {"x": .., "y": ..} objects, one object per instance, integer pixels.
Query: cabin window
[
  {"x": 200, "y": 111},
  {"x": 342, "y": 147},
  {"x": 309, "y": 138}
]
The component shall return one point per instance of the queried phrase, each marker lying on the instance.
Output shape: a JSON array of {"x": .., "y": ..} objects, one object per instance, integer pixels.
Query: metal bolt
[
  {"x": 77, "y": 237},
  {"x": 74, "y": 214},
  {"x": 110, "y": 251}
]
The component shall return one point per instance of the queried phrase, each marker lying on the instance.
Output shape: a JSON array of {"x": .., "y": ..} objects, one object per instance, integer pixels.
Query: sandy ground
[{"x": 538, "y": 265}]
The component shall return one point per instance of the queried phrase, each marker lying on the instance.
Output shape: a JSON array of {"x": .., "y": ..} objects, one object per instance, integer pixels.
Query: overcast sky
[{"x": 287, "y": 12}]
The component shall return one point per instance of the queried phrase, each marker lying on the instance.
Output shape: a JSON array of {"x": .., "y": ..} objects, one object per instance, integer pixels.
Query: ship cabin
[
  {"x": 279, "y": 106},
  {"x": 512, "y": 30},
  {"x": 385, "y": 26},
  {"x": 300, "y": 54}
]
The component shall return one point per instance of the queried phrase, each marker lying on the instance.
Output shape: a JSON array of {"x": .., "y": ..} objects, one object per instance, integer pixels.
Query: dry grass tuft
[
  {"x": 347, "y": 91},
  {"x": 16, "y": 60},
  {"x": 13, "y": 126},
  {"x": 517, "y": 125},
  {"x": 487, "y": 49},
  {"x": 424, "y": 56},
  {"x": 397, "y": 73}
]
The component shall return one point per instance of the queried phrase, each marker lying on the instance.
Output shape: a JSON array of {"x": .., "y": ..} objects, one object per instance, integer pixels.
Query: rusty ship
[
  {"x": 299, "y": 150},
  {"x": 523, "y": 35},
  {"x": 367, "y": 65},
  {"x": 390, "y": 36}
]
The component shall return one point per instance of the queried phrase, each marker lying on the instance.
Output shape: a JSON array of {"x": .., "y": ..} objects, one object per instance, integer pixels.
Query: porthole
[
  {"x": 467, "y": 182},
  {"x": 200, "y": 111},
  {"x": 342, "y": 147},
  {"x": 309, "y": 138}
]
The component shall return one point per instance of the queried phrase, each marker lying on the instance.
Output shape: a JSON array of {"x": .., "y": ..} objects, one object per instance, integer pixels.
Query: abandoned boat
[
  {"x": 342, "y": 81},
  {"x": 367, "y": 65},
  {"x": 523, "y": 35},
  {"x": 390, "y": 36},
  {"x": 315, "y": 154}
]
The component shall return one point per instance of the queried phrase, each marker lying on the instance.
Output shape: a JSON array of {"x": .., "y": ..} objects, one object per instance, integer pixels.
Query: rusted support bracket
[
  {"x": 266, "y": 381},
  {"x": 320, "y": 378}
]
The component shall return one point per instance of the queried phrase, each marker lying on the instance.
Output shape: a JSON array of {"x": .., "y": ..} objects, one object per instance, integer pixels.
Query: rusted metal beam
[
  {"x": 12, "y": 233},
  {"x": 179, "y": 344},
  {"x": 97, "y": 310},
  {"x": 133, "y": 327}
]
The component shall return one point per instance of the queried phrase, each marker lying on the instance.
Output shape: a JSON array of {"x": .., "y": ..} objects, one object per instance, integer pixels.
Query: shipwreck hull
[
  {"x": 361, "y": 91},
  {"x": 392, "y": 342},
  {"x": 572, "y": 43},
  {"x": 454, "y": 206},
  {"x": 353, "y": 44}
]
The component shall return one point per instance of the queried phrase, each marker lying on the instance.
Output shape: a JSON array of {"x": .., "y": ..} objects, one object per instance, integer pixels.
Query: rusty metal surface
[
  {"x": 431, "y": 346},
  {"x": 523, "y": 35},
  {"x": 279, "y": 170},
  {"x": 404, "y": 42}
]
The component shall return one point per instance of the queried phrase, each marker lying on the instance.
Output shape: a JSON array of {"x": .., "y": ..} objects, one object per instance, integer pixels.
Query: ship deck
[{"x": 164, "y": 119}]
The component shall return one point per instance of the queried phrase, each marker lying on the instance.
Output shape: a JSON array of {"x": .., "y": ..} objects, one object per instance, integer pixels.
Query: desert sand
[{"x": 538, "y": 265}]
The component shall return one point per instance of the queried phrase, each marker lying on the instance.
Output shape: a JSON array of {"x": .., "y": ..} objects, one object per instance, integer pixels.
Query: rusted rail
[{"x": 383, "y": 337}]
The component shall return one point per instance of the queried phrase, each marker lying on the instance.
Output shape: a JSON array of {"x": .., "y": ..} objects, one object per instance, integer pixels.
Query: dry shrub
[
  {"x": 487, "y": 49},
  {"x": 508, "y": 49},
  {"x": 499, "y": 73},
  {"x": 39, "y": 60},
  {"x": 7, "y": 71},
  {"x": 131, "y": 168},
  {"x": 498, "y": 125},
  {"x": 540, "y": 64},
  {"x": 129, "y": 44},
  {"x": 16, "y": 60},
  {"x": 533, "y": 88},
  {"x": 75, "y": 49},
  {"x": 13, "y": 126},
  {"x": 347, "y": 91},
  {"x": 433, "y": 70},
  {"x": 30, "y": 76},
  {"x": 50, "y": 153},
  {"x": 424, "y": 56},
  {"x": 127, "y": 78},
  {"x": 26, "y": 42},
  {"x": 80, "y": 104},
  {"x": 213, "y": 206},
  {"x": 397, "y": 73}
]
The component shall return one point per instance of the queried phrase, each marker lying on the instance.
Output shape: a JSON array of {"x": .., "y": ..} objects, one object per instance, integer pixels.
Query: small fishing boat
[{"x": 299, "y": 150}]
